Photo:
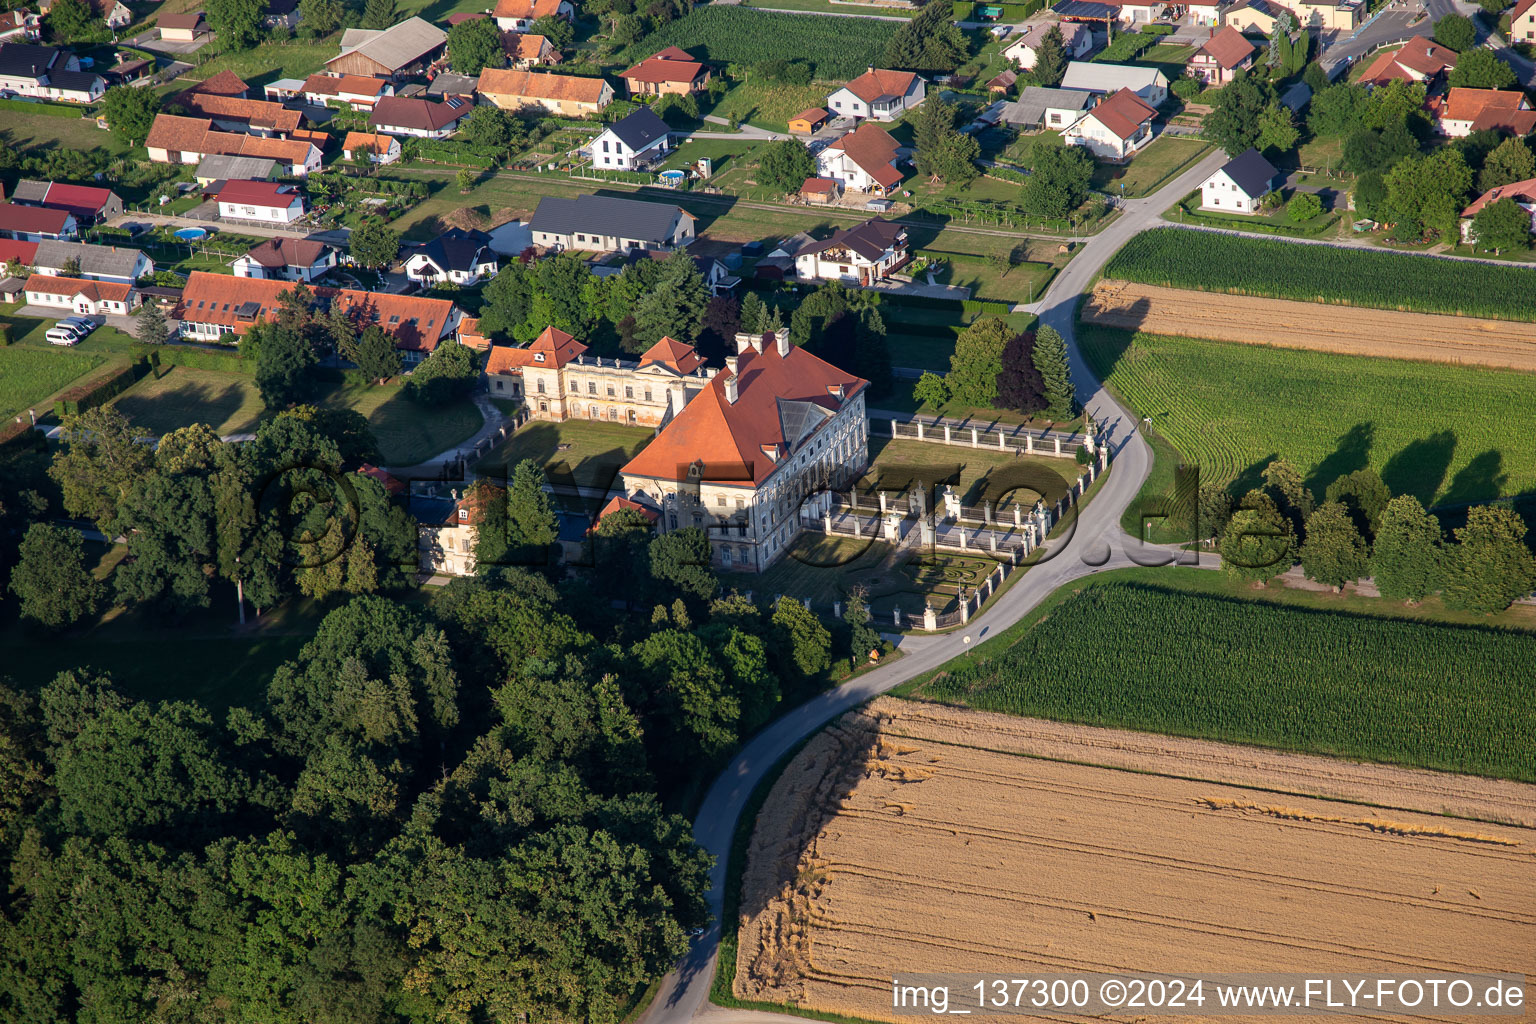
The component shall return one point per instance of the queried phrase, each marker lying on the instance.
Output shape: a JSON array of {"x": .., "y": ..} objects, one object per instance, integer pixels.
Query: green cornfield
[
  {"x": 1450, "y": 698},
  {"x": 29, "y": 375},
  {"x": 1322, "y": 273},
  {"x": 1443, "y": 433},
  {"x": 839, "y": 47}
]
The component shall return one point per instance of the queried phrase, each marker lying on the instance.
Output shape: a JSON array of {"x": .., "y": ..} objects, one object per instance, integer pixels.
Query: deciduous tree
[
  {"x": 129, "y": 111},
  {"x": 374, "y": 246},
  {"x": 1489, "y": 567},
  {"x": 1258, "y": 543},
  {"x": 475, "y": 45},
  {"x": 1481, "y": 69},
  {"x": 1502, "y": 224},
  {"x": 237, "y": 22},
  {"x": 976, "y": 362},
  {"x": 1334, "y": 553},
  {"x": 51, "y": 577},
  {"x": 1406, "y": 557},
  {"x": 784, "y": 165},
  {"x": 1510, "y": 161},
  {"x": 1456, "y": 32}
]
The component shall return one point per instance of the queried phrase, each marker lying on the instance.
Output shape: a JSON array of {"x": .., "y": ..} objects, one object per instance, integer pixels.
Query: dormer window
[
  {"x": 463, "y": 515},
  {"x": 538, "y": 357}
]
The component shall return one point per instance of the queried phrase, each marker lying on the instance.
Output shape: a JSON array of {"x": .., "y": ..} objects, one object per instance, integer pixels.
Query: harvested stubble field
[
  {"x": 1352, "y": 330},
  {"x": 911, "y": 837}
]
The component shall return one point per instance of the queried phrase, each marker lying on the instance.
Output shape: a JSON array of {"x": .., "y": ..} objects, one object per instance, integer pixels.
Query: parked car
[
  {"x": 62, "y": 336},
  {"x": 81, "y": 325}
]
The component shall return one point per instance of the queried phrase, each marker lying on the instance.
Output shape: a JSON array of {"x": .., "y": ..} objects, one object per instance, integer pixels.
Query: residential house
[
  {"x": 221, "y": 83},
  {"x": 1523, "y": 193},
  {"x": 457, "y": 256},
  {"x": 1522, "y": 22},
  {"x": 20, "y": 26},
  {"x": 670, "y": 72},
  {"x": 809, "y": 122},
  {"x": 187, "y": 140},
  {"x": 422, "y": 119},
  {"x": 1254, "y": 17},
  {"x": 878, "y": 94},
  {"x": 230, "y": 168},
  {"x": 861, "y": 255},
  {"x": 609, "y": 224},
  {"x": 779, "y": 263},
  {"x": 1115, "y": 129},
  {"x": 775, "y": 425},
  {"x": 356, "y": 91},
  {"x": 27, "y": 69},
  {"x": 1149, "y": 84},
  {"x": 1051, "y": 109},
  {"x": 36, "y": 223},
  {"x": 380, "y": 149},
  {"x": 287, "y": 259},
  {"x": 128, "y": 70},
  {"x": 90, "y": 205},
  {"x": 1204, "y": 13},
  {"x": 264, "y": 201},
  {"x": 1459, "y": 112},
  {"x": 566, "y": 95},
  {"x": 85, "y": 297},
  {"x": 1420, "y": 59},
  {"x": 1239, "y": 184},
  {"x": 237, "y": 114},
  {"x": 519, "y": 15},
  {"x": 76, "y": 87},
  {"x": 98, "y": 262},
  {"x": 631, "y": 143},
  {"x": 1076, "y": 39},
  {"x": 1002, "y": 84},
  {"x": 447, "y": 529},
  {"x": 863, "y": 160},
  {"x": 525, "y": 50},
  {"x": 182, "y": 28},
  {"x": 1329, "y": 15},
  {"x": 1222, "y": 56},
  {"x": 218, "y": 307},
  {"x": 394, "y": 53}
]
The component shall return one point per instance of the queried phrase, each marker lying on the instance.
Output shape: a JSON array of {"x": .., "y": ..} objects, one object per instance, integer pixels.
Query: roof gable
[
  {"x": 1250, "y": 172},
  {"x": 640, "y": 129},
  {"x": 1229, "y": 48},
  {"x": 876, "y": 84}
]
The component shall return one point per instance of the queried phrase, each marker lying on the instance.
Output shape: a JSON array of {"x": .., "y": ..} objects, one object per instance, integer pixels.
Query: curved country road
[{"x": 1097, "y": 543}]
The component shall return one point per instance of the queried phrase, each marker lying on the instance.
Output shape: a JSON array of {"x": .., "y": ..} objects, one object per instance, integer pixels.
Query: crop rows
[
  {"x": 1321, "y": 273},
  {"x": 1443, "y": 433},
  {"x": 839, "y": 47},
  {"x": 1433, "y": 696}
]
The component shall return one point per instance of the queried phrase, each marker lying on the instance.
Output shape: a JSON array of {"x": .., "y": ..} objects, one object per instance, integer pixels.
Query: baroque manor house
[{"x": 736, "y": 451}]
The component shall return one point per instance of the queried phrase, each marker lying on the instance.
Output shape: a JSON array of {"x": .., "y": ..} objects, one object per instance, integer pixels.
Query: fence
[{"x": 1047, "y": 442}]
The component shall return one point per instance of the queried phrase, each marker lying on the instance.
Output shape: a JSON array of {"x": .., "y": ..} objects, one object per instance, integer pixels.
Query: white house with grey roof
[
  {"x": 1239, "y": 184},
  {"x": 97, "y": 262},
  {"x": 861, "y": 255},
  {"x": 1150, "y": 84},
  {"x": 609, "y": 224},
  {"x": 636, "y": 141},
  {"x": 1041, "y": 107},
  {"x": 460, "y": 256}
]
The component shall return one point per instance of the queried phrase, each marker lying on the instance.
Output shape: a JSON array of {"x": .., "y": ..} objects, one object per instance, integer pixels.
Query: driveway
[
  {"x": 1094, "y": 543},
  {"x": 1395, "y": 23},
  {"x": 151, "y": 41}
]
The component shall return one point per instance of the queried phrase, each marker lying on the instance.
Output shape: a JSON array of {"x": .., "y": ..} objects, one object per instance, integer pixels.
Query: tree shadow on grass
[
  {"x": 1420, "y": 468},
  {"x": 163, "y": 411}
]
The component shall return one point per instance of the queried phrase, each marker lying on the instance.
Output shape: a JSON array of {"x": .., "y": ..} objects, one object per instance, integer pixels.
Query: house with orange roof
[
  {"x": 518, "y": 15},
  {"x": 671, "y": 72},
  {"x": 1116, "y": 128},
  {"x": 525, "y": 50},
  {"x": 360, "y": 92},
  {"x": 863, "y": 160},
  {"x": 187, "y": 140},
  {"x": 221, "y": 83},
  {"x": 286, "y": 259},
  {"x": 878, "y": 94},
  {"x": 567, "y": 95},
  {"x": 85, "y": 297},
  {"x": 379, "y": 149},
  {"x": 237, "y": 114},
  {"x": 1458, "y": 112},
  {"x": 1222, "y": 56},
  {"x": 618, "y": 504},
  {"x": 775, "y": 425},
  {"x": 809, "y": 121},
  {"x": 557, "y": 379},
  {"x": 1418, "y": 60},
  {"x": 1522, "y": 193}
]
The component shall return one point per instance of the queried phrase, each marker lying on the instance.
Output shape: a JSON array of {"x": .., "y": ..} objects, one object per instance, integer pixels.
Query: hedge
[
  {"x": 48, "y": 109},
  {"x": 983, "y": 308},
  {"x": 166, "y": 356},
  {"x": 5, "y": 334},
  {"x": 98, "y": 392}
]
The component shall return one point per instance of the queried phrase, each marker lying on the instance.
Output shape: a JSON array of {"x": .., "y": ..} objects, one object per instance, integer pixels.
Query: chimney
[
  {"x": 783, "y": 343},
  {"x": 730, "y": 365},
  {"x": 730, "y": 388},
  {"x": 746, "y": 340}
]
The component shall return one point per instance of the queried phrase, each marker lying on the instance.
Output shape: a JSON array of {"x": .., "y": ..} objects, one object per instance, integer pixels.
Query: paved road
[
  {"x": 1097, "y": 543},
  {"x": 1393, "y": 23}
]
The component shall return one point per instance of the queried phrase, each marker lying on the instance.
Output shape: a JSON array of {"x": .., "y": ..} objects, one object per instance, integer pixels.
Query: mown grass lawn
[
  {"x": 228, "y": 402},
  {"x": 977, "y": 474},
  {"x": 1161, "y": 160},
  {"x": 271, "y": 61},
  {"x": 1447, "y": 434},
  {"x": 407, "y": 432},
  {"x": 28, "y": 375},
  {"x": 23, "y": 131},
  {"x": 585, "y": 454}
]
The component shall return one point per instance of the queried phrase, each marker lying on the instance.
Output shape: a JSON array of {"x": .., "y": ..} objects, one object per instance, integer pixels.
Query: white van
[{"x": 62, "y": 336}]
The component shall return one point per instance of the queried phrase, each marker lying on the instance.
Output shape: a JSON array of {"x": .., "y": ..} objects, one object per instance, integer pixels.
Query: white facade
[
  {"x": 522, "y": 24},
  {"x": 1220, "y": 192},
  {"x": 1024, "y": 50},
  {"x": 247, "y": 267},
  {"x": 846, "y": 266},
  {"x": 81, "y": 304},
  {"x": 840, "y": 167},
  {"x": 1094, "y": 136},
  {"x": 419, "y": 133},
  {"x": 421, "y": 269},
  {"x": 260, "y": 212},
  {"x": 610, "y": 151},
  {"x": 843, "y": 103}
]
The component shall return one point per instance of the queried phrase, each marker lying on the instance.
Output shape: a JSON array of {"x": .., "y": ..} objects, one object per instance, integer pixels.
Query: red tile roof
[
  {"x": 391, "y": 484},
  {"x": 80, "y": 200},
  {"x": 96, "y": 291},
  {"x": 368, "y": 142},
  {"x": 526, "y": 9},
  {"x": 875, "y": 83},
  {"x": 1228, "y": 48},
  {"x": 733, "y": 439},
  {"x": 1519, "y": 191},
  {"x": 874, "y": 150},
  {"x": 1520, "y": 9},
  {"x": 196, "y": 135},
  {"x": 812, "y": 115},
  {"x": 1420, "y": 54},
  {"x": 553, "y": 348},
  {"x": 618, "y": 504},
  {"x": 37, "y": 220},
  {"x": 18, "y": 252},
  {"x": 225, "y": 83},
  {"x": 670, "y": 65},
  {"x": 335, "y": 85},
  {"x": 537, "y": 85},
  {"x": 422, "y": 115},
  {"x": 819, "y": 186},
  {"x": 1461, "y": 104},
  {"x": 258, "y": 193},
  {"x": 672, "y": 354},
  {"x": 287, "y": 252},
  {"x": 1123, "y": 113}
]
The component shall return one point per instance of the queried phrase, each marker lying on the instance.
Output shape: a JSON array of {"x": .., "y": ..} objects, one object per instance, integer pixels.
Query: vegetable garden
[
  {"x": 1249, "y": 266},
  {"x": 839, "y": 47},
  {"x": 1442, "y": 432},
  {"x": 1163, "y": 660}
]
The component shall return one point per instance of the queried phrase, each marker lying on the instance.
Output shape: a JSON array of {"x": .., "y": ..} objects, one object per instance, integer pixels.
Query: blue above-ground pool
[
  {"x": 672, "y": 179},
  {"x": 191, "y": 234}
]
